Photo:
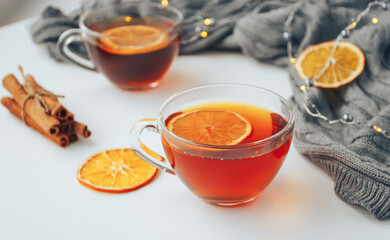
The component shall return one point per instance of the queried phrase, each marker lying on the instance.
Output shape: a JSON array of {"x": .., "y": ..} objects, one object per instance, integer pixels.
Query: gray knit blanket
[{"x": 356, "y": 157}]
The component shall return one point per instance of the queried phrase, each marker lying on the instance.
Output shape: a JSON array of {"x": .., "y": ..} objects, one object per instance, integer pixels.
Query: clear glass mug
[
  {"x": 223, "y": 175},
  {"x": 112, "y": 38}
]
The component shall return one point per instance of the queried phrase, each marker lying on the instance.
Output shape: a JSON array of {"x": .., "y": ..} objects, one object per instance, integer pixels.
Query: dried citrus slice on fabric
[
  {"x": 346, "y": 64},
  {"x": 213, "y": 127},
  {"x": 116, "y": 171},
  {"x": 133, "y": 39}
]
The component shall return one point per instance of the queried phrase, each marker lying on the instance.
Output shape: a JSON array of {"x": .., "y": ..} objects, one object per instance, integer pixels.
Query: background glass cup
[
  {"x": 223, "y": 175},
  {"x": 138, "y": 67}
]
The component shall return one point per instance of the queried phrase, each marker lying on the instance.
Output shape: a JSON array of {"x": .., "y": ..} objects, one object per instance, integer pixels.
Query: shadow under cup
[
  {"x": 137, "y": 66},
  {"x": 223, "y": 175}
]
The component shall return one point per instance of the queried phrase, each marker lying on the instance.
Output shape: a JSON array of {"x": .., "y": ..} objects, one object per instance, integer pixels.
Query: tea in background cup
[
  {"x": 132, "y": 43},
  {"x": 226, "y": 142}
]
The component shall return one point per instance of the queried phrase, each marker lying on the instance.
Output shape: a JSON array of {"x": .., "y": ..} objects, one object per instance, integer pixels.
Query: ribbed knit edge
[{"x": 350, "y": 185}]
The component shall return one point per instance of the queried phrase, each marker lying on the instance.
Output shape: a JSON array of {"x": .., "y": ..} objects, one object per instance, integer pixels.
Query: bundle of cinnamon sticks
[{"x": 41, "y": 110}]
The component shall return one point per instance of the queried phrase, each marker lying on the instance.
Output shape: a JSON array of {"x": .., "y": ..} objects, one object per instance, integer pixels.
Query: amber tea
[
  {"x": 134, "y": 52},
  {"x": 227, "y": 179},
  {"x": 225, "y": 142},
  {"x": 132, "y": 43}
]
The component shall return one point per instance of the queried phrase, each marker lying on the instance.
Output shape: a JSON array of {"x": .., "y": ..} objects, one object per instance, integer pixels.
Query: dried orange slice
[
  {"x": 214, "y": 127},
  {"x": 346, "y": 64},
  {"x": 133, "y": 39},
  {"x": 116, "y": 171}
]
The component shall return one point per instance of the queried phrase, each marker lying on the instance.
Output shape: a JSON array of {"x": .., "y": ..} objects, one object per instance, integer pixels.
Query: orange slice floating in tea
[
  {"x": 116, "y": 171},
  {"x": 346, "y": 64},
  {"x": 133, "y": 39},
  {"x": 213, "y": 127}
]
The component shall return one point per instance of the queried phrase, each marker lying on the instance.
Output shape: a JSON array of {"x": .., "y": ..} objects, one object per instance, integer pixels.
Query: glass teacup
[
  {"x": 223, "y": 174},
  {"x": 132, "y": 43}
]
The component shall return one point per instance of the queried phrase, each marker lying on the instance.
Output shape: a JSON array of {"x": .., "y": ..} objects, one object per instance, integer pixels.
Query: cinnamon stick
[
  {"x": 72, "y": 137},
  {"x": 81, "y": 129},
  {"x": 66, "y": 127},
  {"x": 68, "y": 116},
  {"x": 46, "y": 123},
  {"x": 61, "y": 139},
  {"x": 55, "y": 107}
]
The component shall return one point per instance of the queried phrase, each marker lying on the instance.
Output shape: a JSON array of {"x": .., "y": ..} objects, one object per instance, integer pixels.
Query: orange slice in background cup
[{"x": 133, "y": 39}]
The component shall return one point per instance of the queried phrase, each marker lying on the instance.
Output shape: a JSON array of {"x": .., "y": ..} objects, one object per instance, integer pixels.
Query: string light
[
  {"x": 204, "y": 28},
  {"x": 377, "y": 129},
  {"x": 164, "y": 3},
  {"x": 128, "y": 19},
  {"x": 208, "y": 21},
  {"x": 308, "y": 105}
]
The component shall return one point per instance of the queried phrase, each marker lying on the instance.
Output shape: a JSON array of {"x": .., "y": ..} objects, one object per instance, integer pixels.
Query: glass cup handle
[
  {"x": 65, "y": 39},
  {"x": 136, "y": 145}
]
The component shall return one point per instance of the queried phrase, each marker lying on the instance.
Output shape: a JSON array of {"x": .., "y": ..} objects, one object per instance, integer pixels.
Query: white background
[{"x": 40, "y": 197}]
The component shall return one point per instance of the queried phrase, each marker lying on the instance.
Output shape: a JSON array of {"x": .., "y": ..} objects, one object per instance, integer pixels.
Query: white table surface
[{"x": 40, "y": 197}]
